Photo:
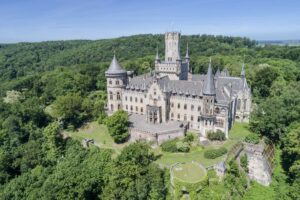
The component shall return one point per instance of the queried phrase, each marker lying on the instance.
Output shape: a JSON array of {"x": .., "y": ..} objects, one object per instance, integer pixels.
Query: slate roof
[
  {"x": 115, "y": 67},
  {"x": 193, "y": 87},
  {"x": 209, "y": 84}
]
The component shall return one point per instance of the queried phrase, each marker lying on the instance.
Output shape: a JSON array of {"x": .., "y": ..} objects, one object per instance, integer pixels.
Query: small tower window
[
  {"x": 172, "y": 104},
  {"x": 118, "y": 96}
]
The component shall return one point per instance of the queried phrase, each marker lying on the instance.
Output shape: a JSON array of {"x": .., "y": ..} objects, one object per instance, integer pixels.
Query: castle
[{"x": 163, "y": 103}]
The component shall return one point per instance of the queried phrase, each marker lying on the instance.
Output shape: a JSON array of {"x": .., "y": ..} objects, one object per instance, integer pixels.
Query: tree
[{"x": 118, "y": 126}]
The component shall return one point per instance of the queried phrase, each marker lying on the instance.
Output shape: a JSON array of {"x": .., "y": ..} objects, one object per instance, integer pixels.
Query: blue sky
[{"x": 40, "y": 20}]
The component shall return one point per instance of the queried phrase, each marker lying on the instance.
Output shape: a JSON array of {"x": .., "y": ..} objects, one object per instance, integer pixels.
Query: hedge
[
  {"x": 214, "y": 153},
  {"x": 218, "y": 135}
]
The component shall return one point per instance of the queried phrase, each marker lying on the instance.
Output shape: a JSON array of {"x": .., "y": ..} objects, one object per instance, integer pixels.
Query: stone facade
[{"x": 203, "y": 102}]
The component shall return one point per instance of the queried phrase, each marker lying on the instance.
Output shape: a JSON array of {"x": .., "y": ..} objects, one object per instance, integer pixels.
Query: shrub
[
  {"x": 102, "y": 117},
  {"x": 117, "y": 125},
  {"x": 218, "y": 135},
  {"x": 189, "y": 138},
  {"x": 214, "y": 153},
  {"x": 252, "y": 138},
  {"x": 182, "y": 146},
  {"x": 169, "y": 146},
  {"x": 244, "y": 162}
]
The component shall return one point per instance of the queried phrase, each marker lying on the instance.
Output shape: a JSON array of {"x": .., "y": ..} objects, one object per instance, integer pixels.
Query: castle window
[
  {"x": 172, "y": 104},
  {"x": 131, "y": 108},
  {"x": 192, "y": 118},
  {"x": 110, "y": 82},
  {"x": 112, "y": 107},
  {"x": 142, "y": 110},
  {"x": 126, "y": 107},
  {"x": 158, "y": 98},
  {"x": 199, "y": 118},
  {"x": 117, "y": 82},
  {"x": 245, "y": 103},
  {"x": 178, "y": 105},
  {"x": 119, "y": 106},
  {"x": 199, "y": 108},
  {"x": 178, "y": 116},
  {"x": 172, "y": 115},
  {"x": 185, "y": 117},
  {"x": 118, "y": 96},
  {"x": 130, "y": 99},
  {"x": 219, "y": 123},
  {"x": 205, "y": 122},
  {"x": 110, "y": 95},
  {"x": 141, "y": 100},
  {"x": 185, "y": 106},
  {"x": 125, "y": 98},
  {"x": 192, "y": 107},
  {"x": 136, "y": 108},
  {"x": 136, "y": 100}
]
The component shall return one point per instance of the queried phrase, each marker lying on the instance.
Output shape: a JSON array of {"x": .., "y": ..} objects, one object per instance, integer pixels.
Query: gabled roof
[{"x": 115, "y": 67}]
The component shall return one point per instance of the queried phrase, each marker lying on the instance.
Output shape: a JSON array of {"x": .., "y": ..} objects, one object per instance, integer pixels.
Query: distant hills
[{"x": 279, "y": 42}]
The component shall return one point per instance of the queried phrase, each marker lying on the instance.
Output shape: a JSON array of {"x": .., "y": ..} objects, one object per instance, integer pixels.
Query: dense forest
[{"x": 37, "y": 162}]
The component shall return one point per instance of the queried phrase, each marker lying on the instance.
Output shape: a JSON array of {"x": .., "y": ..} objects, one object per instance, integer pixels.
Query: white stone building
[{"x": 202, "y": 102}]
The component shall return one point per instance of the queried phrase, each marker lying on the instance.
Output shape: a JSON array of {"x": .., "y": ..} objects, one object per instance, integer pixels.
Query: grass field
[
  {"x": 238, "y": 132},
  {"x": 100, "y": 135},
  {"x": 188, "y": 172}
]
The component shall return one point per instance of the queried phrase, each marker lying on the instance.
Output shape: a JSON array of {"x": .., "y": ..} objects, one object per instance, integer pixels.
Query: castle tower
[
  {"x": 172, "y": 51},
  {"x": 209, "y": 95},
  {"x": 117, "y": 79}
]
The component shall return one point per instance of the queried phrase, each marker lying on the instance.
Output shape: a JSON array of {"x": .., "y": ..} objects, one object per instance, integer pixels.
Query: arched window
[
  {"x": 178, "y": 116},
  {"x": 239, "y": 104},
  {"x": 111, "y": 95},
  {"x": 178, "y": 105},
  {"x": 185, "y": 106},
  {"x": 112, "y": 107},
  {"x": 119, "y": 106},
  {"x": 118, "y": 96}
]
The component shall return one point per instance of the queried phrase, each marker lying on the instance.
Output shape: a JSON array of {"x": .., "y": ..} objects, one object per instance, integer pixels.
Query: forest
[{"x": 38, "y": 162}]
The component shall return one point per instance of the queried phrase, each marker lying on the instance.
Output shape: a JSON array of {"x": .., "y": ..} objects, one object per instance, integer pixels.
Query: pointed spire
[
  {"x": 209, "y": 85},
  {"x": 187, "y": 51},
  {"x": 243, "y": 71},
  {"x": 115, "y": 67},
  {"x": 157, "y": 56}
]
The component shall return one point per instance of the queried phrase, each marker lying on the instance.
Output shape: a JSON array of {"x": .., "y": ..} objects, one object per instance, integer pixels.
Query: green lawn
[
  {"x": 98, "y": 133},
  {"x": 102, "y": 139},
  {"x": 238, "y": 132},
  {"x": 188, "y": 172}
]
